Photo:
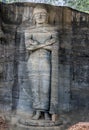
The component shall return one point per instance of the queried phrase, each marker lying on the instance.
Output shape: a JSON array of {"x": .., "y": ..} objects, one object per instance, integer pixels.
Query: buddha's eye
[{"x": 40, "y": 14}]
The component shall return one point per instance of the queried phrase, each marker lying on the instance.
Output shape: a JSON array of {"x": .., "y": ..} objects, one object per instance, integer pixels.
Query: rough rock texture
[
  {"x": 73, "y": 57},
  {"x": 3, "y": 124},
  {"x": 80, "y": 126}
]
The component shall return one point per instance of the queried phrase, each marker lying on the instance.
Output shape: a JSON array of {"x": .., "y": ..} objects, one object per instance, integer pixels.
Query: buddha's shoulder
[{"x": 44, "y": 28}]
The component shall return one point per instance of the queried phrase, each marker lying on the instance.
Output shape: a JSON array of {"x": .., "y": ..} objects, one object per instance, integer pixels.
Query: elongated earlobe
[
  {"x": 34, "y": 20},
  {"x": 47, "y": 18}
]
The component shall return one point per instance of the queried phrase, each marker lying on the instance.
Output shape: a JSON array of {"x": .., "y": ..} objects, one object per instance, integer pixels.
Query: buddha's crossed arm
[{"x": 33, "y": 45}]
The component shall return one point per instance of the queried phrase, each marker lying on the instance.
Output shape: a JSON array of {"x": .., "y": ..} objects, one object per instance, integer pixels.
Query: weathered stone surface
[
  {"x": 3, "y": 124},
  {"x": 36, "y": 128},
  {"x": 40, "y": 123},
  {"x": 80, "y": 125},
  {"x": 73, "y": 57}
]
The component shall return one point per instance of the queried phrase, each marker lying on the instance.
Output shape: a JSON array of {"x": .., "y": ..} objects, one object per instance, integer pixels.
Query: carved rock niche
[{"x": 44, "y": 65}]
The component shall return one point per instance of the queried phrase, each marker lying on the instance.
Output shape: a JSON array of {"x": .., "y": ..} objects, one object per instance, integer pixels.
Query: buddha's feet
[
  {"x": 47, "y": 116},
  {"x": 37, "y": 115}
]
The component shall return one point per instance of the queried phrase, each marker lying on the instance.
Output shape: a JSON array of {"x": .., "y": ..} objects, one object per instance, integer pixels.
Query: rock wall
[{"x": 73, "y": 57}]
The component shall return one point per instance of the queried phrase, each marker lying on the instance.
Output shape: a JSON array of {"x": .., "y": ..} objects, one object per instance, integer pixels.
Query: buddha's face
[{"x": 40, "y": 16}]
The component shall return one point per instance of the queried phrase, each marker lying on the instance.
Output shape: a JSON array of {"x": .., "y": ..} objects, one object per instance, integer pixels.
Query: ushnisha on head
[{"x": 40, "y": 15}]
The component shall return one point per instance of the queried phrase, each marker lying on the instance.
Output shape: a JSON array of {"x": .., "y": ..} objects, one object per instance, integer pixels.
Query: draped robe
[{"x": 43, "y": 67}]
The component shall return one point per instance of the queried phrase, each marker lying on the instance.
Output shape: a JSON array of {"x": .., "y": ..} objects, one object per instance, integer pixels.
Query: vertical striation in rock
[{"x": 73, "y": 64}]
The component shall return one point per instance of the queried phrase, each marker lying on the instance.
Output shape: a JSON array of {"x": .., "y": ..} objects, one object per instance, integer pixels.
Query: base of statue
[
  {"x": 21, "y": 127},
  {"x": 39, "y": 123},
  {"x": 26, "y": 123}
]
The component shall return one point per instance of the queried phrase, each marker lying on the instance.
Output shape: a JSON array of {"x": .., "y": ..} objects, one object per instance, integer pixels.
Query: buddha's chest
[{"x": 41, "y": 37}]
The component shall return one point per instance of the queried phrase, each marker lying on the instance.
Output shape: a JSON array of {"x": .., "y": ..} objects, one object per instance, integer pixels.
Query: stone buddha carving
[{"x": 40, "y": 41}]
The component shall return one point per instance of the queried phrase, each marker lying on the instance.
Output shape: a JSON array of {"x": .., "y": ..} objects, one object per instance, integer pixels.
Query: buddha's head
[{"x": 40, "y": 14}]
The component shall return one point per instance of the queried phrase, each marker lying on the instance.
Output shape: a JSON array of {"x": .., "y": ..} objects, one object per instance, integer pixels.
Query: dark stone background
[{"x": 15, "y": 92}]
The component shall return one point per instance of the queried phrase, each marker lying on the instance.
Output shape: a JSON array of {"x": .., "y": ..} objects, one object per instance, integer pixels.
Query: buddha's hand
[
  {"x": 34, "y": 43},
  {"x": 31, "y": 43},
  {"x": 50, "y": 41},
  {"x": 48, "y": 48}
]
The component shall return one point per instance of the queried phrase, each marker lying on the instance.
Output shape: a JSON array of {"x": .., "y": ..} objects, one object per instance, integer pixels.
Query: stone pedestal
[
  {"x": 36, "y": 128},
  {"x": 18, "y": 123},
  {"x": 39, "y": 123}
]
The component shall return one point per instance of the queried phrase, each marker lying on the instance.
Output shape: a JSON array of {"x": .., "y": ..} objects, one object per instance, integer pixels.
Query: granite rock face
[{"x": 15, "y": 93}]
